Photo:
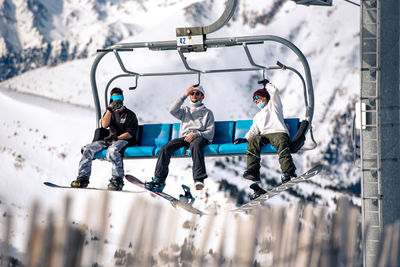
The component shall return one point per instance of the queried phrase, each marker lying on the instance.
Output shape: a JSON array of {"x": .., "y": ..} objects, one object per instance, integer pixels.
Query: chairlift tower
[{"x": 380, "y": 132}]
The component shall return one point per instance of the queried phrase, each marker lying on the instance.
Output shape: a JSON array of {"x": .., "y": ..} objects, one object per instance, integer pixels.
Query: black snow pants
[{"x": 196, "y": 148}]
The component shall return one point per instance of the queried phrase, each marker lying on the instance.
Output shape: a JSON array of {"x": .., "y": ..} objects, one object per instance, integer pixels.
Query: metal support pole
[
  {"x": 225, "y": 17},
  {"x": 380, "y": 133}
]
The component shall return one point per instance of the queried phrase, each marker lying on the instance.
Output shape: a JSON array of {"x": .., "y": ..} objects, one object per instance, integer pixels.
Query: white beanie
[{"x": 200, "y": 88}]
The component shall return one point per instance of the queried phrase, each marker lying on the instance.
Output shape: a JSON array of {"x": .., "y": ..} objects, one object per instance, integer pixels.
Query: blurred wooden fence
[{"x": 284, "y": 236}]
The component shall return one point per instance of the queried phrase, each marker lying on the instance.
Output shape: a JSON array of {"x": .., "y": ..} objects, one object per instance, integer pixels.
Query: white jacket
[{"x": 270, "y": 118}]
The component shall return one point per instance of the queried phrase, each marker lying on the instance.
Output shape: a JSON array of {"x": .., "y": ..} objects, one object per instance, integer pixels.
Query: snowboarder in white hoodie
[{"x": 268, "y": 127}]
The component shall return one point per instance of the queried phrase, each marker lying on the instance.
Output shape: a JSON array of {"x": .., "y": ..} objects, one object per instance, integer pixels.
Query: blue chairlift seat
[
  {"x": 242, "y": 127},
  {"x": 181, "y": 152},
  {"x": 151, "y": 137},
  {"x": 223, "y": 134}
]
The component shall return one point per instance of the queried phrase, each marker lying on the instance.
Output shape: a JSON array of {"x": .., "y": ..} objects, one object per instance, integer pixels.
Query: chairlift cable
[{"x": 351, "y": 2}]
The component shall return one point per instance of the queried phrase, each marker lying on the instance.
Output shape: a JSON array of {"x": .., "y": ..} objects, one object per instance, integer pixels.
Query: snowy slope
[{"x": 47, "y": 113}]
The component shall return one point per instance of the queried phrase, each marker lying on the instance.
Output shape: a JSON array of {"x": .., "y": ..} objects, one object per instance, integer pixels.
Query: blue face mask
[
  {"x": 196, "y": 103},
  {"x": 117, "y": 97},
  {"x": 260, "y": 105}
]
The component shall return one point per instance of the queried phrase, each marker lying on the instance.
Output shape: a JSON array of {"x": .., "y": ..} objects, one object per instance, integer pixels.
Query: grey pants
[{"x": 113, "y": 155}]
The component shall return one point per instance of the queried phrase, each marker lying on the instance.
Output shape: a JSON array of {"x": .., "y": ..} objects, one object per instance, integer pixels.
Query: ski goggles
[{"x": 117, "y": 97}]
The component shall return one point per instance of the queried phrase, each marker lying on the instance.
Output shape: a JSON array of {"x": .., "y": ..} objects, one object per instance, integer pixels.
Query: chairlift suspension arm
[
  {"x": 113, "y": 79},
  {"x": 122, "y": 64},
  {"x": 248, "y": 54},
  {"x": 184, "y": 61},
  {"x": 224, "y": 19},
  {"x": 280, "y": 66},
  {"x": 210, "y": 43}
]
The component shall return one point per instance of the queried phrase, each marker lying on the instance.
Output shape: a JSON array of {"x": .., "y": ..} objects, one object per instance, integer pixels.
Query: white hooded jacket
[{"x": 270, "y": 118}]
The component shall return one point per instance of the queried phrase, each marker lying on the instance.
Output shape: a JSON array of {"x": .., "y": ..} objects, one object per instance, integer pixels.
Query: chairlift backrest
[{"x": 153, "y": 136}]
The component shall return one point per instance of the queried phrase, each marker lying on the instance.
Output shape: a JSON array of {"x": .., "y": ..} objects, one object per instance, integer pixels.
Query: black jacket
[{"x": 124, "y": 121}]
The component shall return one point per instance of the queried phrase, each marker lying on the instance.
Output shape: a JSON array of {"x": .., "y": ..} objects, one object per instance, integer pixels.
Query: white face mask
[{"x": 260, "y": 105}]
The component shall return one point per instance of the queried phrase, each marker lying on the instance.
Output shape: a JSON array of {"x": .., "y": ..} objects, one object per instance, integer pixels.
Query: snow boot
[
  {"x": 116, "y": 183},
  {"x": 199, "y": 184},
  {"x": 80, "y": 182},
  {"x": 252, "y": 175},
  {"x": 258, "y": 191},
  {"x": 155, "y": 185}
]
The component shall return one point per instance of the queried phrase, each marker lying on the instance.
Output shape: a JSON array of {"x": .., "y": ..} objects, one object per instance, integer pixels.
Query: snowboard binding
[
  {"x": 187, "y": 198},
  {"x": 258, "y": 191}
]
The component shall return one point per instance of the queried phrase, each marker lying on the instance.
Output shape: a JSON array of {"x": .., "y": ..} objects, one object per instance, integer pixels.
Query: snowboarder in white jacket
[
  {"x": 268, "y": 127},
  {"x": 196, "y": 131}
]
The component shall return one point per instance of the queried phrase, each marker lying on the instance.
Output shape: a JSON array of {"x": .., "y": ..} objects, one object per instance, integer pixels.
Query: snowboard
[
  {"x": 86, "y": 188},
  {"x": 174, "y": 201},
  {"x": 273, "y": 192}
]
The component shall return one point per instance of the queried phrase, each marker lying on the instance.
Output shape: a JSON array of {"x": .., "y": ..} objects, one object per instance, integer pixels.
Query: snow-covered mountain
[
  {"x": 47, "y": 113},
  {"x": 46, "y": 32}
]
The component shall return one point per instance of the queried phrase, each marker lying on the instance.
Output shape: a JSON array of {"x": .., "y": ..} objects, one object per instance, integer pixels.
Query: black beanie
[{"x": 117, "y": 91}]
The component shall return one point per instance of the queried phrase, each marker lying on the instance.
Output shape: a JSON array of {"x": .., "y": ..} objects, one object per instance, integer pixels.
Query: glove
[
  {"x": 263, "y": 82},
  {"x": 109, "y": 139},
  {"x": 239, "y": 140},
  {"x": 117, "y": 106}
]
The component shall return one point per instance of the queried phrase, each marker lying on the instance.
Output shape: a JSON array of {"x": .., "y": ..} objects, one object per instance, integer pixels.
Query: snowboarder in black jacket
[{"x": 122, "y": 125}]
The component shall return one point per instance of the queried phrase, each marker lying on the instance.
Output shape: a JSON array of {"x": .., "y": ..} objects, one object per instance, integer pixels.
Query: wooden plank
[
  {"x": 318, "y": 243},
  {"x": 352, "y": 233},
  {"x": 206, "y": 236},
  {"x": 277, "y": 225},
  {"x": 5, "y": 248},
  {"x": 32, "y": 231},
  {"x": 305, "y": 238}
]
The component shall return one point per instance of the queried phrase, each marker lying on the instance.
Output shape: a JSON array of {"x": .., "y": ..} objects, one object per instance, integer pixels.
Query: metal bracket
[
  {"x": 184, "y": 61},
  {"x": 378, "y": 197},
  {"x": 190, "y": 39},
  {"x": 136, "y": 83},
  {"x": 122, "y": 65},
  {"x": 198, "y": 80}
]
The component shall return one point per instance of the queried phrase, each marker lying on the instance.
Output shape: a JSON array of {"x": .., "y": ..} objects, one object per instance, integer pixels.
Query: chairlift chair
[{"x": 192, "y": 40}]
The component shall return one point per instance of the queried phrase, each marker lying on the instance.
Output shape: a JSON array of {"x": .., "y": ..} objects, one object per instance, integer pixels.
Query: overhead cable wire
[{"x": 351, "y": 2}]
